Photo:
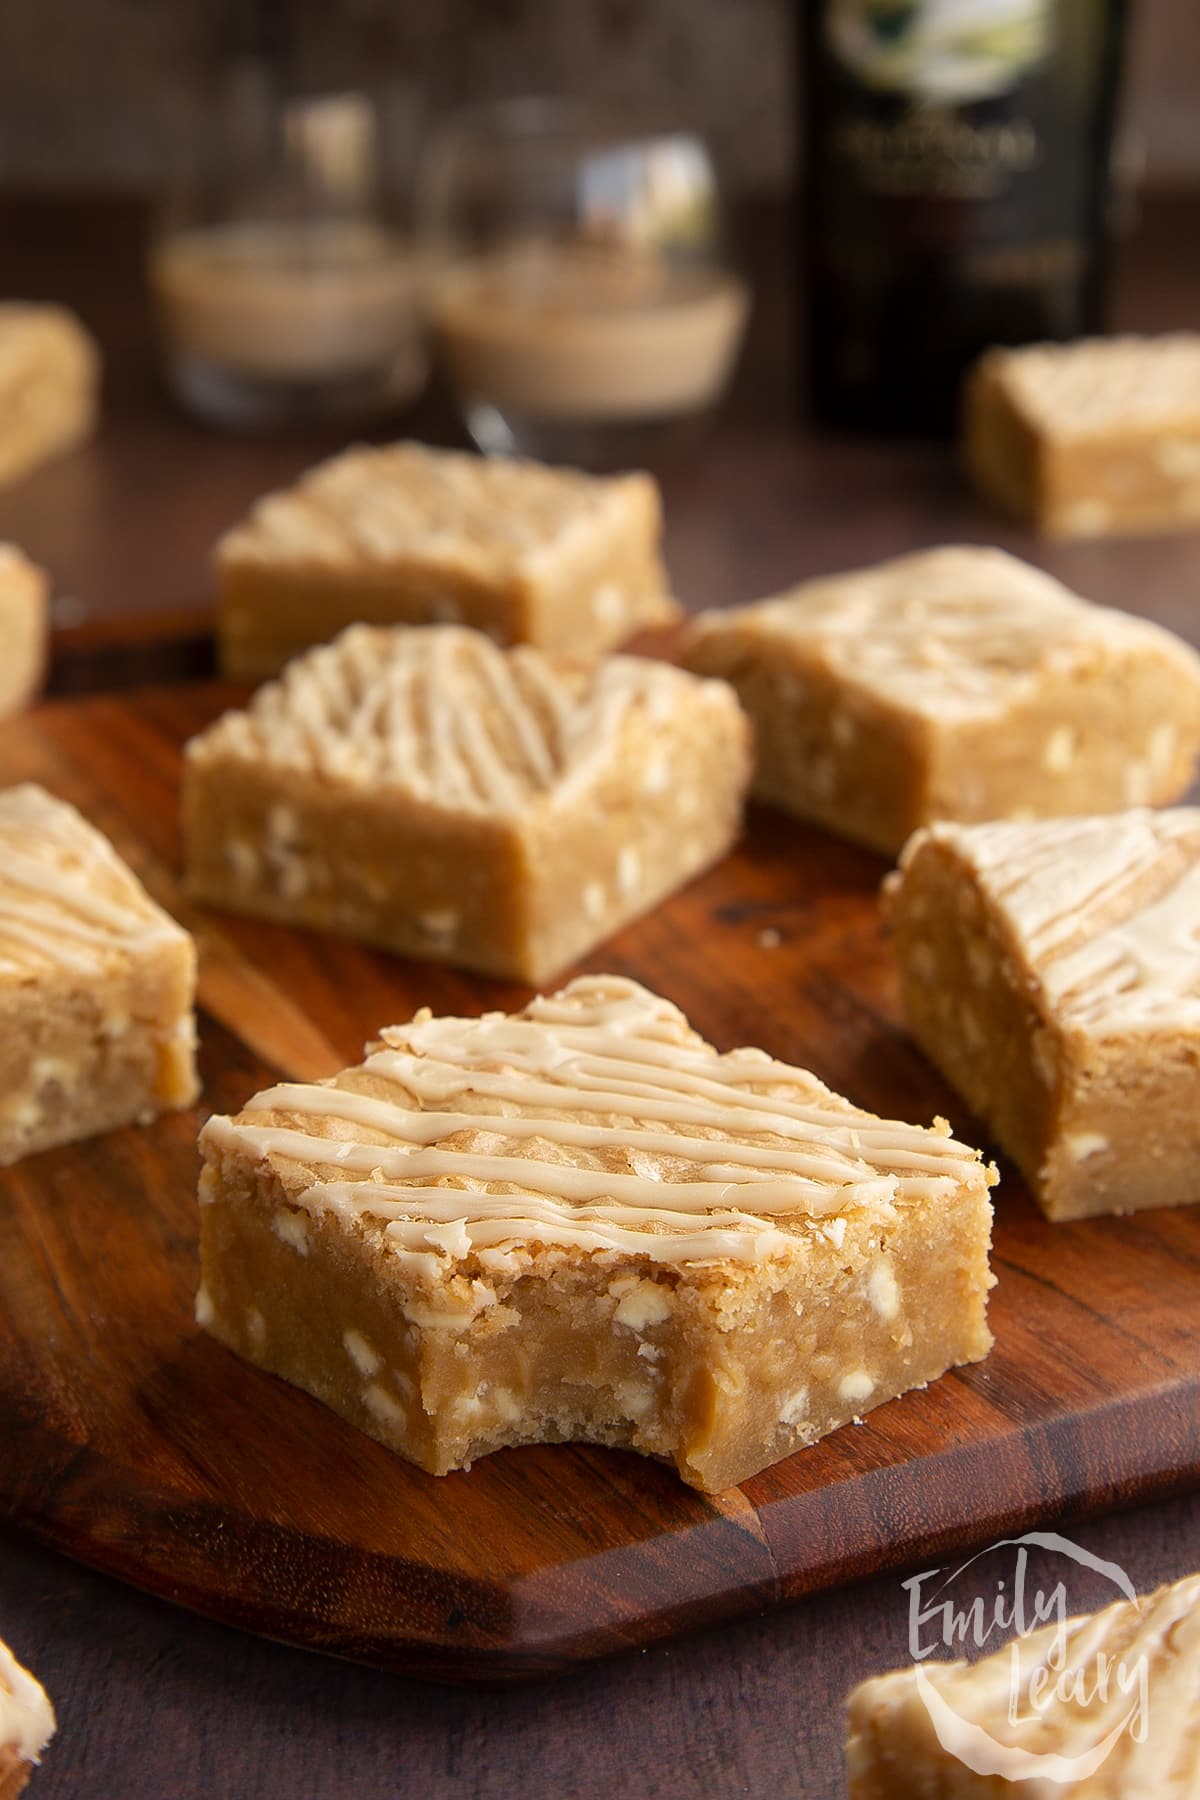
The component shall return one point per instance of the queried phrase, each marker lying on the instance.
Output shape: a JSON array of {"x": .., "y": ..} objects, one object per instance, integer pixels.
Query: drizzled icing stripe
[
  {"x": 447, "y": 716},
  {"x": 1107, "y": 910},
  {"x": 1106, "y": 384},
  {"x": 1099, "y": 1672},
  {"x": 490, "y": 516},
  {"x": 66, "y": 898},
  {"x": 959, "y": 632},
  {"x": 601, "y": 1073}
]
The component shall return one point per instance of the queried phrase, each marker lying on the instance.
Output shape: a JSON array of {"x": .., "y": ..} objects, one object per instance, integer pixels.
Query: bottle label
[
  {"x": 955, "y": 182},
  {"x": 929, "y": 150},
  {"x": 942, "y": 52}
]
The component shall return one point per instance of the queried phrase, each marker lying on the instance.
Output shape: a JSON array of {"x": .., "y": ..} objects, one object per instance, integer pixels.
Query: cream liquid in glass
[
  {"x": 560, "y": 347},
  {"x": 262, "y": 320}
]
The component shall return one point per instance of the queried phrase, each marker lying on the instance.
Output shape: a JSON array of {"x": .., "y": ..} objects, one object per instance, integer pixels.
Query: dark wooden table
[{"x": 153, "y": 1702}]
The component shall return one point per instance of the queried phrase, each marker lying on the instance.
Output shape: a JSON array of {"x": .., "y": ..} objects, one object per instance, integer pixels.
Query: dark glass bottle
[{"x": 955, "y": 191}]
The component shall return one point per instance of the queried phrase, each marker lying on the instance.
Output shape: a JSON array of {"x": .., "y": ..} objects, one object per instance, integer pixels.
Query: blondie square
[
  {"x": 408, "y": 535},
  {"x": 1102, "y": 435},
  {"x": 96, "y": 984},
  {"x": 428, "y": 792},
  {"x": 953, "y": 684},
  {"x": 49, "y": 379},
  {"x": 1102, "y": 1707},
  {"x": 24, "y": 622},
  {"x": 583, "y": 1223},
  {"x": 1052, "y": 972},
  {"x": 26, "y": 1724}
]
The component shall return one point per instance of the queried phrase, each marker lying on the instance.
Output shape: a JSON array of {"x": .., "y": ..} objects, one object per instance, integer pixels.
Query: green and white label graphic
[{"x": 947, "y": 52}]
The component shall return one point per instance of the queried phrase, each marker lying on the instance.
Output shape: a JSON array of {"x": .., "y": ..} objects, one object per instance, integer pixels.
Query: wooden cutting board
[{"x": 133, "y": 1442}]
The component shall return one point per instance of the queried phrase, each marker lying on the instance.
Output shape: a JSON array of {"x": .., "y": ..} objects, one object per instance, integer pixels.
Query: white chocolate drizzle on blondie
[
  {"x": 1106, "y": 1706},
  {"x": 958, "y": 632},
  {"x": 1104, "y": 384},
  {"x": 443, "y": 714},
  {"x": 1108, "y": 910},
  {"x": 66, "y": 898},
  {"x": 597, "y": 1120},
  {"x": 490, "y": 515}
]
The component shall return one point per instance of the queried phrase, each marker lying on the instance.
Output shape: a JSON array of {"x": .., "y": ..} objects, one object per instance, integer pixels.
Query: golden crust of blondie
[
  {"x": 1099, "y": 912},
  {"x": 1100, "y": 387},
  {"x": 951, "y": 634},
  {"x": 487, "y": 518},
  {"x": 96, "y": 985},
  {"x": 1051, "y": 969},
  {"x": 607, "y": 1102},
  {"x": 49, "y": 378},
  {"x": 67, "y": 900},
  {"x": 24, "y": 629}
]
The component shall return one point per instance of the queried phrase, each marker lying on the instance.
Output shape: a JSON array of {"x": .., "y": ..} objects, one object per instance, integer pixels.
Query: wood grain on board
[{"x": 141, "y": 1447}]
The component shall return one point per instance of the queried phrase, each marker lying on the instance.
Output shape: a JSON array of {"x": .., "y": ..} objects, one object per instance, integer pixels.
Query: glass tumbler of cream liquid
[
  {"x": 286, "y": 286},
  {"x": 582, "y": 301}
]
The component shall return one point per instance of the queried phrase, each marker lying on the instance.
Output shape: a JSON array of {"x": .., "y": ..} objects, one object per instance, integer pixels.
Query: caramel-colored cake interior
[
  {"x": 96, "y": 984},
  {"x": 957, "y": 683},
  {"x": 582, "y": 1222},
  {"x": 1052, "y": 971}
]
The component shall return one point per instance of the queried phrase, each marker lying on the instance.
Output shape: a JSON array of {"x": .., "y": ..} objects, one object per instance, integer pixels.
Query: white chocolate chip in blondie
[
  {"x": 656, "y": 776},
  {"x": 441, "y": 924},
  {"x": 506, "y": 1405},
  {"x": 883, "y": 1289},
  {"x": 293, "y": 871},
  {"x": 641, "y": 1305},
  {"x": 795, "y": 1408},
  {"x": 857, "y": 1385},
  {"x": 1059, "y": 753},
  {"x": 635, "y": 1401},
  {"x": 629, "y": 870},
  {"x": 608, "y": 603},
  {"x": 384, "y": 1406},
  {"x": 1079, "y": 1145},
  {"x": 363, "y": 1355},
  {"x": 291, "y": 1228}
]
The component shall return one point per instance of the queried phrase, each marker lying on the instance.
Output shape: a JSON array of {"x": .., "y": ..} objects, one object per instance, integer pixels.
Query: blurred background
[
  {"x": 108, "y": 92},
  {"x": 107, "y": 105}
]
